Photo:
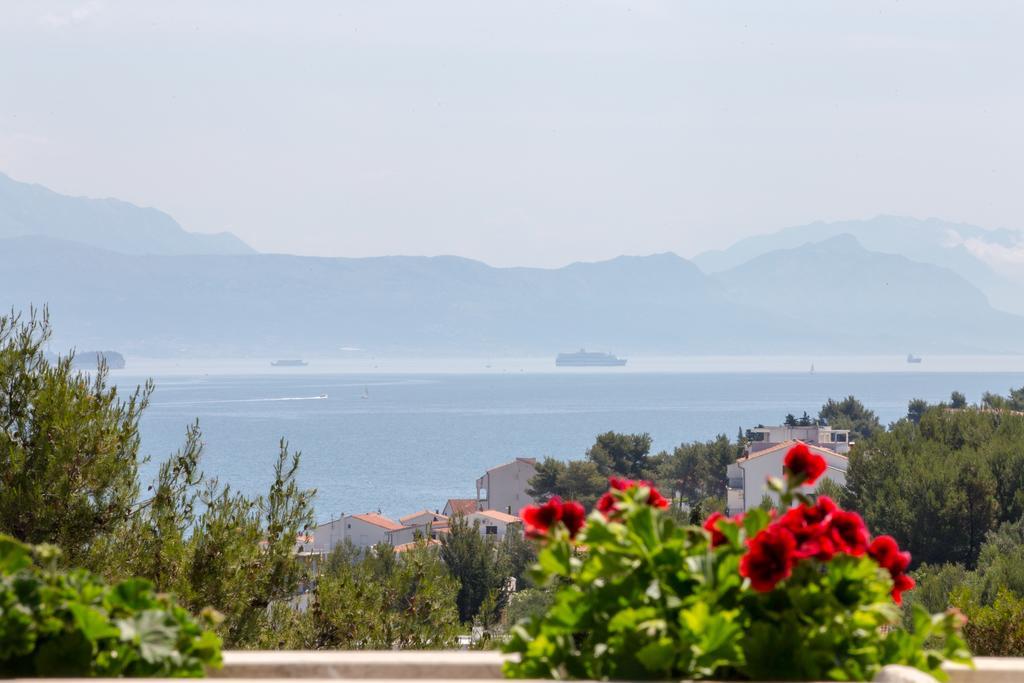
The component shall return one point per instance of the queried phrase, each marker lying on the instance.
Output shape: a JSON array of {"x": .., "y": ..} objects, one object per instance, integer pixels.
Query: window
[{"x": 491, "y": 531}]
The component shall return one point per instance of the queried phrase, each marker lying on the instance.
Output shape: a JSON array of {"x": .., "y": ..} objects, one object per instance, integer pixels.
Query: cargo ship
[
  {"x": 588, "y": 359},
  {"x": 289, "y": 363}
]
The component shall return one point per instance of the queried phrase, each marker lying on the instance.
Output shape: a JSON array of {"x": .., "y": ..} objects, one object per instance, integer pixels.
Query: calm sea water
[{"x": 421, "y": 438}]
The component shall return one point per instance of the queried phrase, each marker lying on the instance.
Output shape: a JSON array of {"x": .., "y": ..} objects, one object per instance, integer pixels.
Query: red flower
[
  {"x": 886, "y": 552},
  {"x": 769, "y": 558},
  {"x": 607, "y": 504},
  {"x": 900, "y": 584},
  {"x": 800, "y": 461},
  {"x": 711, "y": 526},
  {"x": 809, "y": 525},
  {"x": 538, "y": 519},
  {"x": 573, "y": 517},
  {"x": 621, "y": 484},
  {"x": 848, "y": 532},
  {"x": 654, "y": 498}
]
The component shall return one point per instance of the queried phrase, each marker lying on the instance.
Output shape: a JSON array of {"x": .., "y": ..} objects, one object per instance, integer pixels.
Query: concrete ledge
[
  {"x": 989, "y": 670},
  {"x": 437, "y": 666},
  {"x": 365, "y": 664}
]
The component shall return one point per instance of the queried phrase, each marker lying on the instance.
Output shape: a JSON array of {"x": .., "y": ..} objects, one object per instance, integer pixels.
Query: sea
[{"x": 402, "y": 435}]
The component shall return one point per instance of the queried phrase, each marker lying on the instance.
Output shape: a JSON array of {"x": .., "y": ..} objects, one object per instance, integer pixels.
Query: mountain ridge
[{"x": 33, "y": 209}]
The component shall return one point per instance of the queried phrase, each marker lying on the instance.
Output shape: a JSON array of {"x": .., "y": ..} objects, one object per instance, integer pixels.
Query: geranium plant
[{"x": 801, "y": 594}]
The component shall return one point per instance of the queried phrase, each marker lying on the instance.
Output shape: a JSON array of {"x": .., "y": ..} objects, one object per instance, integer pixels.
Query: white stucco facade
[
  {"x": 362, "y": 531},
  {"x": 493, "y": 522},
  {"x": 748, "y": 476},
  {"x": 503, "y": 488}
]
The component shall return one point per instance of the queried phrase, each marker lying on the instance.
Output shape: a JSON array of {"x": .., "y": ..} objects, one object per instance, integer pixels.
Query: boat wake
[{"x": 321, "y": 397}]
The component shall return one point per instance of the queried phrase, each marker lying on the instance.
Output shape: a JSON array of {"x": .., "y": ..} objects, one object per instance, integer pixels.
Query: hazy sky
[{"x": 520, "y": 133}]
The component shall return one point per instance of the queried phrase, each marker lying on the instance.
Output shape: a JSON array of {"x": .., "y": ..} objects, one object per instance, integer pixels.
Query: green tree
[
  {"x": 573, "y": 480},
  {"x": 406, "y": 601},
  {"x": 851, "y": 414},
  {"x": 476, "y": 563},
  {"x": 957, "y": 400},
  {"x": 695, "y": 470},
  {"x": 622, "y": 455},
  {"x": 916, "y": 407},
  {"x": 68, "y": 444}
]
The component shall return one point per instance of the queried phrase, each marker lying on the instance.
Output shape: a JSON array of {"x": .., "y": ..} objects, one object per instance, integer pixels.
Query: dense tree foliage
[
  {"x": 479, "y": 566},
  {"x": 849, "y": 413},
  {"x": 940, "y": 486},
  {"x": 372, "y": 599}
]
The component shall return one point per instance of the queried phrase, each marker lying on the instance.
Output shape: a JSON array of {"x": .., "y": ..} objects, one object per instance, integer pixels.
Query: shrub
[
  {"x": 805, "y": 595},
  {"x": 55, "y": 623}
]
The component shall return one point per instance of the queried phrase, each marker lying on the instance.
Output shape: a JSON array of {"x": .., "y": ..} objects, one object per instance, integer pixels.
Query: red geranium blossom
[
  {"x": 710, "y": 525},
  {"x": 573, "y": 517},
  {"x": 809, "y": 525},
  {"x": 770, "y": 558},
  {"x": 538, "y": 519},
  {"x": 607, "y": 504},
  {"x": 886, "y": 552},
  {"x": 849, "y": 533},
  {"x": 801, "y": 461}
]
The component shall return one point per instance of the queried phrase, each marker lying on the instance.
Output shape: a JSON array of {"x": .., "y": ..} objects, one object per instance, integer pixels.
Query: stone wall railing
[{"x": 383, "y": 666}]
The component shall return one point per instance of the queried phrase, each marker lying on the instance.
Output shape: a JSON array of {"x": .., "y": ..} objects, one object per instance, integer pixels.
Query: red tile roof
[
  {"x": 461, "y": 506},
  {"x": 379, "y": 520},
  {"x": 498, "y": 515},
  {"x": 405, "y": 547},
  {"x": 436, "y": 515},
  {"x": 786, "y": 445}
]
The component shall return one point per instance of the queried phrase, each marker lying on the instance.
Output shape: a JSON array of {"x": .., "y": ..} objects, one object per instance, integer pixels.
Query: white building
[
  {"x": 836, "y": 440},
  {"x": 362, "y": 531},
  {"x": 493, "y": 522},
  {"x": 424, "y": 523},
  {"x": 504, "y": 487},
  {"x": 748, "y": 476}
]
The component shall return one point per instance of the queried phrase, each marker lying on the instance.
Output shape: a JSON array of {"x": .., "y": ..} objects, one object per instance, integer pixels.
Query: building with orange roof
[
  {"x": 362, "y": 530},
  {"x": 493, "y": 522},
  {"x": 460, "y": 506},
  {"x": 747, "y": 477}
]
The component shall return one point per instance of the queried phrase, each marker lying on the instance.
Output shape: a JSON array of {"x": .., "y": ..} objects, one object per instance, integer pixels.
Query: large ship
[
  {"x": 588, "y": 359},
  {"x": 289, "y": 363}
]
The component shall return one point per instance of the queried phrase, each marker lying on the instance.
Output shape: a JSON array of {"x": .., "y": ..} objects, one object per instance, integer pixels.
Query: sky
[{"x": 519, "y": 133}]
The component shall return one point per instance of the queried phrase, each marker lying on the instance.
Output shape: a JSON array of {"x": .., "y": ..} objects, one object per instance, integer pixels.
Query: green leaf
[
  {"x": 14, "y": 555},
  {"x": 93, "y": 623},
  {"x": 658, "y": 655}
]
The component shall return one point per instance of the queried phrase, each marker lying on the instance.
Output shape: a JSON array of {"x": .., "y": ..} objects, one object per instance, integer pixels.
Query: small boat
[
  {"x": 366, "y": 392},
  {"x": 812, "y": 368},
  {"x": 289, "y": 363},
  {"x": 323, "y": 395},
  {"x": 588, "y": 359},
  {"x": 911, "y": 358}
]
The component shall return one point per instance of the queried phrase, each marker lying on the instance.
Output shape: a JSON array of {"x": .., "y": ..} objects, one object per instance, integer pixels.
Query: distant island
[{"x": 89, "y": 360}]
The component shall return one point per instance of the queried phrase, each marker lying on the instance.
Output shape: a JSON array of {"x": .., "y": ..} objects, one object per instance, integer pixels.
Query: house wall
[
  {"x": 506, "y": 486},
  {"x": 757, "y": 470}
]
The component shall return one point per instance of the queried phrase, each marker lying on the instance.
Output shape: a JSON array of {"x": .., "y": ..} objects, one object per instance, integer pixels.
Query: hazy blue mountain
[
  {"x": 928, "y": 241},
  {"x": 27, "y": 209},
  {"x": 874, "y": 300},
  {"x": 829, "y": 297}
]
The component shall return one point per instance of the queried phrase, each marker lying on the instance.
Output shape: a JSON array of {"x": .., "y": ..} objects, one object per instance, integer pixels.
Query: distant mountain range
[
  {"x": 933, "y": 241},
  {"x": 826, "y": 294},
  {"x": 27, "y": 209}
]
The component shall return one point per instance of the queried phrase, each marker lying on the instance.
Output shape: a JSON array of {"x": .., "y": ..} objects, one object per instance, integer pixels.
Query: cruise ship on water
[{"x": 588, "y": 359}]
